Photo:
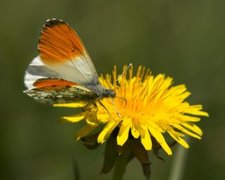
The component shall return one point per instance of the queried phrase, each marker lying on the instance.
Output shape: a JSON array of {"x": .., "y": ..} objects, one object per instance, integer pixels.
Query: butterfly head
[{"x": 108, "y": 93}]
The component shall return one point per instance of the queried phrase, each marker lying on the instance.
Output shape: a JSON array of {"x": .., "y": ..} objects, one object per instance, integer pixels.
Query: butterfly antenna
[{"x": 129, "y": 66}]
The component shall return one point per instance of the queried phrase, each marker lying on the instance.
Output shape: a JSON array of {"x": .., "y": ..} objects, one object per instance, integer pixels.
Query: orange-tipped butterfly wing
[{"x": 63, "y": 72}]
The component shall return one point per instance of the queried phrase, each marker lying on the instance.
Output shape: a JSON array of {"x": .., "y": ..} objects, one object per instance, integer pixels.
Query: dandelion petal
[
  {"x": 160, "y": 139},
  {"x": 75, "y": 118},
  {"x": 123, "y": 134},
  {"x": 146, "y": 140},
  {"x": 107, "y": 130}
]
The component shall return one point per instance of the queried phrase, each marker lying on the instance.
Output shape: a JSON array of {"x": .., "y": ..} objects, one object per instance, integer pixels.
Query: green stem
[
  {"x": 179, "y": 163},
  {"x": 120, "y": 165}
]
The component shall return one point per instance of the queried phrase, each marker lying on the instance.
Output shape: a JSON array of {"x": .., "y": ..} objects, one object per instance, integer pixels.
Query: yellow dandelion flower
[{"x": 146, "y": 107}]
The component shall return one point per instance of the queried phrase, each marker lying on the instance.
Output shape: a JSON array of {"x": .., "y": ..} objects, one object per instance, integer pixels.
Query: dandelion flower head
[{"x": 146, "y": 107}]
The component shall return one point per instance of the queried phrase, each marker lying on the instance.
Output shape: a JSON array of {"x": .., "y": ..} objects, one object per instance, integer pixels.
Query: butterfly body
[{"x": 63, "y": 71}]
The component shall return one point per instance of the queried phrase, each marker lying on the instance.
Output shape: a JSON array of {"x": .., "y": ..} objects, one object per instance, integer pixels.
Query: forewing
[{"x": 62, "y": 51}]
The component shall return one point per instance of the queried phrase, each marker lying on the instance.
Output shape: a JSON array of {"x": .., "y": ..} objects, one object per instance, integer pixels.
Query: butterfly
[{"x": 63, "y": 72}]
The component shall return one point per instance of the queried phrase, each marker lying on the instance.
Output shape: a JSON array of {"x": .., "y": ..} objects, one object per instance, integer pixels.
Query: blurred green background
[{"x": 184, "y": 39}]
